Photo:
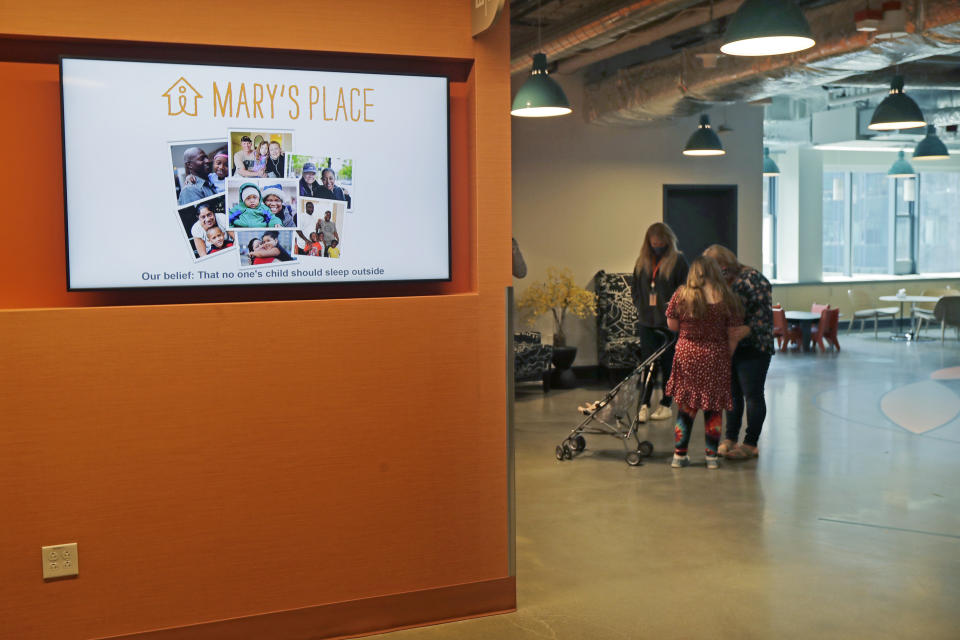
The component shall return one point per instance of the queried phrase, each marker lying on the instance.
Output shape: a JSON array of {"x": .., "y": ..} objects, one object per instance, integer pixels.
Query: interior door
[{"x": 701, "y": 215}]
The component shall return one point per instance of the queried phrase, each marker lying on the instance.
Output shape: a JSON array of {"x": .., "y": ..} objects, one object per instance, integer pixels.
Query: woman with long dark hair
[
  {"x": 659, "y": 270},
  {"x": 267, "y": 249},
  {"x": 751, "y": 360}
]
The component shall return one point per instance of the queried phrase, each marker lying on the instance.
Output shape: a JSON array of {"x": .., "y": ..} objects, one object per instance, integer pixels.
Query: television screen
[{"x": 197, "y": 175}]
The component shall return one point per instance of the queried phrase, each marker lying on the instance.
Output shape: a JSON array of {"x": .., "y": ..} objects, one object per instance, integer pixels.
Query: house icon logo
[{"x": 182, "y": 98}]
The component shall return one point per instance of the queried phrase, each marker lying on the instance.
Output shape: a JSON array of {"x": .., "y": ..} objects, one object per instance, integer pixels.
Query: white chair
[
  {"x": 947, "y": 312},
  {"x": 863, "y": 312},
  {"x": 922, "y": 312}
]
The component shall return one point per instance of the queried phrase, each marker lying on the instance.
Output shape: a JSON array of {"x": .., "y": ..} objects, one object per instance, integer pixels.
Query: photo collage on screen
[{"x": 249, "y": 195}]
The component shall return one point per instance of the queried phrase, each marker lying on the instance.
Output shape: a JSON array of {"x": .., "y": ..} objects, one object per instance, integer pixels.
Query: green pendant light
[
  {"x": 704, "y": 141},
  {"x": 770, "y": 167},
  {"x": 931, "y": 147},
  {"x": 901, "y": 168},
  {"x": 540, "y": 96},
  {"x": 767, "y": 28},
  {"x": 897, "y": 111}
]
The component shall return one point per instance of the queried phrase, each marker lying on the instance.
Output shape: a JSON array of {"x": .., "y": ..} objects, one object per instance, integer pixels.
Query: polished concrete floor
[{"x": 848, "y": 526}]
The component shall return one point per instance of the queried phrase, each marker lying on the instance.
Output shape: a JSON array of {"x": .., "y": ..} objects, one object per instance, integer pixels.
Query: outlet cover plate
[{"x": 60, "y": 561}]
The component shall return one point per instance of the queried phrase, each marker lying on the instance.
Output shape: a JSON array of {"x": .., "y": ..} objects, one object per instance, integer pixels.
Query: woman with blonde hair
[
  {"x": 707, "y": 315},
  {"x": 659, "y": 270},
  {"x": 751, "y": 360}
]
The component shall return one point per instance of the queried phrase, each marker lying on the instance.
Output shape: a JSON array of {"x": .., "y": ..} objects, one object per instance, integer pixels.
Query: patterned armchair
[
  {"x": 618, "y": 338},
  {"x": 531, "y": 359}
]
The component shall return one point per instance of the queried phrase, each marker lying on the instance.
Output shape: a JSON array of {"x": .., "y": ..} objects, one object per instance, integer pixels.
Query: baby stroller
[{"x": 616, "y": 414}]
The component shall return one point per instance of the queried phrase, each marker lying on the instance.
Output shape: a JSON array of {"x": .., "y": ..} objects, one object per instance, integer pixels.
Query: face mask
[{"x": 659, "y": 251}]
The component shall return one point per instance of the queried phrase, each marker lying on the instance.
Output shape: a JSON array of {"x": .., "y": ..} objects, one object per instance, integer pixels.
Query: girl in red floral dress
[{"x": 709, "y": 318}]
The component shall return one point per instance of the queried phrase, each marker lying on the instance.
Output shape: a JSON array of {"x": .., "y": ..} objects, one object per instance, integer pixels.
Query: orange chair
[
  {"x": 784, "y": 334},
  {"x": 827, "y": 329}
]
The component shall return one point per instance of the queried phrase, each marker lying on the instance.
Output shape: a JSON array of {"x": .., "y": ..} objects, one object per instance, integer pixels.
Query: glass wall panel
[
  {"x": 870, "y": 223},
  {"x": 939, "y": 237},
  {"x": 835, "y": 246},
  {"x": 769, "y": 241}
]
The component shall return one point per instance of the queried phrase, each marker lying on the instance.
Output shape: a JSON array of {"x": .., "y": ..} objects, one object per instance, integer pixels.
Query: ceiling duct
[
  {"x": 682, "y": 21},
  {"x": 787, "y": 132},
  {"x": 599, "y": 30},
  {"x": 936, "y": 73},
  {"x": 943, "y": 117},
  {"x": 678, "y": 86}
]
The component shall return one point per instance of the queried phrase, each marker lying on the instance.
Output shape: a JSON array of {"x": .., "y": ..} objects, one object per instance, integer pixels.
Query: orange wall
[{"x": 366, "y": 460}]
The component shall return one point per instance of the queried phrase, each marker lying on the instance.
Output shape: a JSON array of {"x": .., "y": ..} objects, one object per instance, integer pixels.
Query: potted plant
[{"x": 560, "y": 295}]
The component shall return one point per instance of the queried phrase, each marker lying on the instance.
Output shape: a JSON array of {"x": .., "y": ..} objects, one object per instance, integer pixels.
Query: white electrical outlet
[{"x": 60, "y": 560}]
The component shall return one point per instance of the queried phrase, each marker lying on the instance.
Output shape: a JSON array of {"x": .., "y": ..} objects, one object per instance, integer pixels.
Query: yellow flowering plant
[{"x": 558, "y": 294}]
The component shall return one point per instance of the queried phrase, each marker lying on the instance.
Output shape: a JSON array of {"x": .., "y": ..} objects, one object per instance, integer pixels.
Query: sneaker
[
  {"x": 713, "y": 462},
  {"x": 662, "y": 413},
  {"x": 680, "y": 461},
  {"x": 644, "y": 414}
]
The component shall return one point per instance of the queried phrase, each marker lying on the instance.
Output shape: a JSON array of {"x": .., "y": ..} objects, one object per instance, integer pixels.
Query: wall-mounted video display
[{"x": 197, "y": 175}]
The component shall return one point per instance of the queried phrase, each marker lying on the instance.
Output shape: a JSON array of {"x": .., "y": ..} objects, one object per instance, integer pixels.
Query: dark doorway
[{"x": 701, "y": 215}]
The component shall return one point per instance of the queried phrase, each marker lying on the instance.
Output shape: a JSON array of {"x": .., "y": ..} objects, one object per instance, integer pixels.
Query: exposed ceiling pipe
[
  {"x": 675, "y": 86},
  {"x": 943, "y": 117},
  {"x": 608, "y": 26},
  {"x": 855, "y": 83},
  {"x": 688, "y": 19},
  {"x": 872, "y": 95}
]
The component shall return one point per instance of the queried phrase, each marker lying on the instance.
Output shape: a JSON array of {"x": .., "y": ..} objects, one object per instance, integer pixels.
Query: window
[
  {"x": 875, "y": 225},
  {"x": 870, "y": 223},
  {"x": 770, "y": 227},
  {"x": 939, "y": 223},
  {"x": 904, "y": 193},
  {"x": 835, "y": 222},
  {"x": 856, "y": 223}
]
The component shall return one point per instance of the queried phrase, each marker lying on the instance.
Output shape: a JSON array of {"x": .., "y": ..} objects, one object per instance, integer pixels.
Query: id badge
[{"x": 653, "y": 299}]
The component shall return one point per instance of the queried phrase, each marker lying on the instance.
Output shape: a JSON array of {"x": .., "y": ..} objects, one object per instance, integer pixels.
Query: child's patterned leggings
[{"x": 712, "y": 421}]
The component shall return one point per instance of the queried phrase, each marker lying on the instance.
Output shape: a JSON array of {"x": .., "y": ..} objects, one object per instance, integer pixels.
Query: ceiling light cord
[
  {"x": 540, "y": 96},
  {"x": 539, "y": 27}
]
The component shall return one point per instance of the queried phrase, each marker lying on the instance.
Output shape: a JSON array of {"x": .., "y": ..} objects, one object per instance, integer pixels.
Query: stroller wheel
[
  {"x": 633, "y": 459},
  {"x": 645, "y": 448},
  {"x": 560, "y": 455},
  {"x": 579, "y": 444},
  {"x": 567, "y": 452}
]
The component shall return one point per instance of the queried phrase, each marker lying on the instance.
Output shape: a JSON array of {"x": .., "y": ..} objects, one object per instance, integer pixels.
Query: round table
[
  {"x": 805, "y": 320},
  {"x": 907, "y": 335}
]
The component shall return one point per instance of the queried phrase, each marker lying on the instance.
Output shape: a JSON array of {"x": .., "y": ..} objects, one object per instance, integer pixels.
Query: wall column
[{"x": 800, "y": 216}]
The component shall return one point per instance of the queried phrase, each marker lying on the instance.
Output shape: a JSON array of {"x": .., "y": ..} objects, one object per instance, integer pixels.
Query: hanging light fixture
[
  {"x": 704, "y": 141},
  {"x": 770, "y": 167},
  {"x": 767, "y": 28},
  {"x": 540, "y": 96},
  {"x": 897, "y": 111},
  {"x": 931, "y": 147},
  {"x": 901, "y": 168}
]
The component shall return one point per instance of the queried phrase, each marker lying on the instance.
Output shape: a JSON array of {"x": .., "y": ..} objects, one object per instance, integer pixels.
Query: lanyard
[{"x": 653, "y": 278}]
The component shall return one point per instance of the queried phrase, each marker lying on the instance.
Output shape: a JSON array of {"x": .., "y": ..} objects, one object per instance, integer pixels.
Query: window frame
[
  {"x": 908, "y": 266},
  {"x": 772, "y": 187},
  {"x": 847, "y": 227}
]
